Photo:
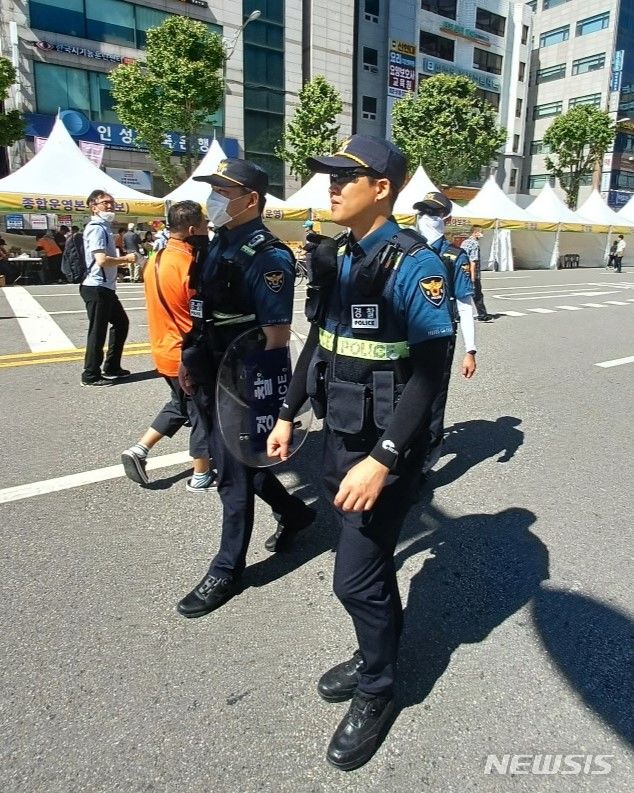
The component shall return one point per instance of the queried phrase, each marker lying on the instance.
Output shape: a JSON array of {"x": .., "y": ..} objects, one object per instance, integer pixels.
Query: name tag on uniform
[
  {"x": 365, "y": 316},
  {"x": 196, "y": 309}
]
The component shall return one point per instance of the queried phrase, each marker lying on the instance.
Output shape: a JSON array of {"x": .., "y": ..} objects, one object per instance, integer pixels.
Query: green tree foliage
[
  {"x": 448, "y": 129},
  {"x": 312, "y": 130},
  {"x": 577, "y": 142},
  {"x": 11, "y": 122},
  {"x": 176, "y": 89}
]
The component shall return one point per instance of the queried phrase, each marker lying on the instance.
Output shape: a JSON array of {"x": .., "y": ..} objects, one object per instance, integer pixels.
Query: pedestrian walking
[
  {"x": 52, "y": 263},
  {"x": 472, "y": 248},
  {"x": 167, "y": 296},
  {"x": 98, "y": 291},
  {"x": 373, "y": 364},
  {"x": 618, "y": 255},
  {"x": 246, "y": 281},
  {"x": 132, "y": 243},
  {"x": 434, "y": 211},
  {"x": 612, "y": 254}
]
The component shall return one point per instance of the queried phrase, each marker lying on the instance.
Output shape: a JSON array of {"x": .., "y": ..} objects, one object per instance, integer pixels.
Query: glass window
[
  {"x": 524, "y": 34},
  {"x": 516, "y": 143},
  {"x": 539, "y": 180},
  {"x": 490, "y": 96},
  {"x": 487, "y": 61},
  {"x": 513, "y": 179},
  {"x": 265, "y": 34},
  {"x": 147, "y": 18},
  {"x": 549, "y": 109},
  {"x": 438, "y": 46},
  {"x": 368, "y": 107},
  {"x": 60, "y": 87},
  {"x": 588, "y": 99},
  {"x": 539, "y": 147},
  {"x": 532, "y": 4},
  {"x": 590, "y": 64},
  {"x": 551, "y": 73},
  {"x": 264, "y": 67},
  {"x": 490, "y": 22},
  {"x": 101, "y": 100},
  {"x": 593, "y": 24},
  {"x": 555, "y": 36},
  {"x": 257, "y": 99},
  {"x": 522, "y": 72},
  {"x": 110, "y": 21},
  {"x": 444, "y": 8},
  {"x": 50, "y": 15},
  {"x": 370, "y": 59},
  {"x": 272, "y": 10},
  {"x": 518, "y": 108},
  {"x": 553, "y": 4},
  {"x": 372, "y": 8}
]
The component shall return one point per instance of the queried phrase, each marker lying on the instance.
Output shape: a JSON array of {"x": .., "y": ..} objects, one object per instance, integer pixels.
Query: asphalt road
[{"x": 515, "y": 570}]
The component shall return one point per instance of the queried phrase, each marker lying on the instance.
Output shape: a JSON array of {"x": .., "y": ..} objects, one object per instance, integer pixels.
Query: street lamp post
[{"x": 230, "y": 44}]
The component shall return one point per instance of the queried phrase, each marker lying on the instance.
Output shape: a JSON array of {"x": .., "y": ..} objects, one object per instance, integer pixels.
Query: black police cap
[
  {"x": 365, "y": 151},
  {"x": 434, "y": 203},
  {"x": 232, "y": 172}
]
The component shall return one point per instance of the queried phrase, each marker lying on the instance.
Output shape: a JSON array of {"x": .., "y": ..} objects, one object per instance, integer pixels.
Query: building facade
[{"x": 582, "y": 53}]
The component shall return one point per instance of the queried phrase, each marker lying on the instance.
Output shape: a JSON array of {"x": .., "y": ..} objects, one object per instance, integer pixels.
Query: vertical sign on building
[{"x": 401, "y": 76}]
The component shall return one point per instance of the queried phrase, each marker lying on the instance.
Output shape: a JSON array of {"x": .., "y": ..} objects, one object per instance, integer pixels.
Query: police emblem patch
[
  {"x": 433, "y": 287},
  {"x": 274, "y": 279}
]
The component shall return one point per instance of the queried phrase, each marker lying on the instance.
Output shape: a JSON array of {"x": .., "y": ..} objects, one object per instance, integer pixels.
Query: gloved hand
[{"x": 321, "y": 259}]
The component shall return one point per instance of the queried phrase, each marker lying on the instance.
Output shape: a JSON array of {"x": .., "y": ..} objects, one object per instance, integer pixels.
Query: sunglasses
[{"x": 345, "y": 177}]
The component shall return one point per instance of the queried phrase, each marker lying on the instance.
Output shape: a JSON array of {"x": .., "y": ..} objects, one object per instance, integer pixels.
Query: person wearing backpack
[{"x": 98, "y": 291}]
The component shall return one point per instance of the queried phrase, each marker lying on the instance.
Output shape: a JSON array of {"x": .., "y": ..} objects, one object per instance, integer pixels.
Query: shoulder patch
[
  {"x": 274, "y": 279},
  {"x": 433, "y": 288}
]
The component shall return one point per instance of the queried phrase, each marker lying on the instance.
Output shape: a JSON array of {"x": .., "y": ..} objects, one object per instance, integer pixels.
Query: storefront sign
[
  {"x": 465, "y": 33},
  {"x": 46, "y": 204},
  {"x": 81, "y": 52},
  {"x": 615, "y": 80},
  {"x": 486, "y": 81},
  {"x": 137, "y": 180},
  {"x": 65, "y": 220},
  {"x": 39, "y": 222},
  {"x": 617, "y": 61},
  {"x": 93, "y": 151},
  {"x": 401, "y": 78},
  {"x": 14, "y": 222},
  {"x": 618, "y": 198}
]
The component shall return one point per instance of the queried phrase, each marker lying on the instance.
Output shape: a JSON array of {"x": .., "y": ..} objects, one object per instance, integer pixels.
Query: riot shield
[{"x": 251, "y": 386}]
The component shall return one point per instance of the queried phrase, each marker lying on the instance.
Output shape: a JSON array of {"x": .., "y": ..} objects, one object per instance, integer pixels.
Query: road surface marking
[
  {"x": 62, "y": 356},
  {"x": 502, "y": 277},
  {"x": 20, "y": 492},
  {"x": 616, "y": 362},
  {"x": 542, "y": 310},
  {"x": 570, "y": 308},
  {"x": 40, "y": 331},
  {"x": 594, "y": 305},
  {"x": 512, "y": 313},
  {"x": 556, "y": 295},
  {"x": 616, "y": 302}
]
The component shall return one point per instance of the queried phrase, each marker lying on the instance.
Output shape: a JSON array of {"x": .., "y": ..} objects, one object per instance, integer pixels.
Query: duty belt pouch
[
  {"x": 346, "y": 406},
  {"x": 316, "y": 387},
  {"x": 200, "y": 364},
  {"x": 383, "y": 398}
]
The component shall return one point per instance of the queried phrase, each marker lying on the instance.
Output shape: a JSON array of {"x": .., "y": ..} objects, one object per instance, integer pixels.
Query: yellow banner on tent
[
  {"x": 68, "y": 205},
  {"x": 285, "y": 213}
]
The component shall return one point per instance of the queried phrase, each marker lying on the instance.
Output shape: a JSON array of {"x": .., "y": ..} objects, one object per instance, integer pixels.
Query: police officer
[
  {"x": 245, "y": 281},
  {"x": 373, "y": 364},
  {"x": 434, "y": 211}
]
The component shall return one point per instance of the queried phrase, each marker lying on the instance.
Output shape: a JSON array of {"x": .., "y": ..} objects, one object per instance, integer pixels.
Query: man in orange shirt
[
  {"x": 167, "y": 294},
  {"x": 53, "y": 269}
]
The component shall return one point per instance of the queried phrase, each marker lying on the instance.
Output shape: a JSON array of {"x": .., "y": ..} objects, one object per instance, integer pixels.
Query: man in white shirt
[{"x": 618, "y": 256}]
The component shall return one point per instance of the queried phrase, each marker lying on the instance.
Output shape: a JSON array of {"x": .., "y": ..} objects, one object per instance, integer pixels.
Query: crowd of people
[{"x": 384, "y": 305}]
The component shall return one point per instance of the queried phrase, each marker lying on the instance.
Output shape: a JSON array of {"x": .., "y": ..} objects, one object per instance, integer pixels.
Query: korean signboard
[{"x": 401, "y": 78}]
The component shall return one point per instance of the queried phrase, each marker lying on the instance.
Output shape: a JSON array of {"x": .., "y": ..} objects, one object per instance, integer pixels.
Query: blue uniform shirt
[
  {"x": 98, "y": 237},
  {"x": 462, "y": 284},
  {"x": 269, "y": 280},
  {"x": 416, "y": 297}
]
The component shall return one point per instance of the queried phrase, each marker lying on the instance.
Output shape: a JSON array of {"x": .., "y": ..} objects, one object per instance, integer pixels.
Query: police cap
[
  {"x": 434, "y": 203},
  {"x": 365, "y": 151},
  {"x": 232, "y": 171}
]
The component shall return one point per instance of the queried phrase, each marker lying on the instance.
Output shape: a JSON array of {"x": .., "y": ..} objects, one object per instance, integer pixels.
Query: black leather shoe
[
  {"x": 360, "y": 732},
  {"x": 340, "y": 682},
  {"x": 288, "y": 527},
  {"x": 208, "y": 595}
]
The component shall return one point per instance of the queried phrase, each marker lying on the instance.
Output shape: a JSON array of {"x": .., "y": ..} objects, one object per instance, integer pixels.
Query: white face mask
[
  {"x": 217, "y": 210},
  {"x": 432, "y": 228},
  {"x": 107, "y": 216}
]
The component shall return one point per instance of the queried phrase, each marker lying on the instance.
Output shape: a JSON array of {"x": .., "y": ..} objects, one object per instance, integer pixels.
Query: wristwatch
[{"x": 471, "y": 352}]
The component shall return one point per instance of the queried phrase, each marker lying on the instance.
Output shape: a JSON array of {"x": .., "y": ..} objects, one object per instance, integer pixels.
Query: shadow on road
[
  {"x": 472, "y": 442},
  {"x": 593, "y": 646},
  {"x": 138, "y": 377},
  {"x": 165, "y": 484}
]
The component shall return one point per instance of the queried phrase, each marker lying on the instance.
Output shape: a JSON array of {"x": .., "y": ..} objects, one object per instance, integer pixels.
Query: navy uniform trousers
[
  {"x": 437, "y": 419},
  {"x": 365, "y": 574},
  {"x": 238, "y": 485}
]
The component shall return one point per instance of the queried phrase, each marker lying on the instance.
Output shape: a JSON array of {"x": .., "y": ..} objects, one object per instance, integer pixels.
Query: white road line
[
  {"x": 570, "y": 308},
  {"x": 542, "y": 310},
  {"x": 512, "y": 313},
  {"x": 630, "y": 300},
  {"x": 556, "y": 295},
  {"x": 502, "y": 277},
  {"x": 616, "y": 362},
  {"x": 39, "y": 330},
  {"x": 20, "y": 492},
  {"x": 560, "y": 287},
  {"x": 616, "y": 302},
  {"x": 594, "y": 305},
  {"x": 83, "y": 310}
]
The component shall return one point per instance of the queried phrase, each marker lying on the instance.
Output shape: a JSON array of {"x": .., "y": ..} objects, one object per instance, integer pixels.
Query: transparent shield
[{"x": 251, "y": 386}]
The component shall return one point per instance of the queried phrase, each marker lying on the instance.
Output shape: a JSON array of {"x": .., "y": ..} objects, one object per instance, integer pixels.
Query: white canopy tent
[
  {"x": 596, "y": 212},
  {"x": 313, "y": 195},
  {"x": 414, "y": 191},
  {"x": 627, "y": 211},
  {"x": 60, "y": 177}
]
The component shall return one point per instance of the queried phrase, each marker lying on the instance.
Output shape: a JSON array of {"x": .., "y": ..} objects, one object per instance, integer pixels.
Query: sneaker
[
  {"x": 117, "y": 375},
  {"x": 96, "y": 383},
  {"x": 208, "y": 595},
  {"x": 206, "y": 487},
  {"x": 288, "y": 527},
  {"x": 134, "y": 467}
]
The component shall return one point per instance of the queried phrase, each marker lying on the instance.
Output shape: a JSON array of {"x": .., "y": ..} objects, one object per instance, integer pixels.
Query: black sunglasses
[{"x": 345, "y": 177}]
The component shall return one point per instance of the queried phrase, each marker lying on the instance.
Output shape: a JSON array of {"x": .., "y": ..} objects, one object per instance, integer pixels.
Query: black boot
[
  {"x": 360, "y": 732},
  {"x": 208, "y": 595},
  {"x": 340, "y": 682},
  {"x": 288, "y": 527}
]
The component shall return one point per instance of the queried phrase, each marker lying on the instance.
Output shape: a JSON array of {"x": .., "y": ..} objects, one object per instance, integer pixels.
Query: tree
[
  {"x": 577, "y": 140},
  {"x": 312, "y": 130},
  {"x": 448, "y": 129},
  {"x": 176, "y": 89},
  {"x": 11, "y": 122}
]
